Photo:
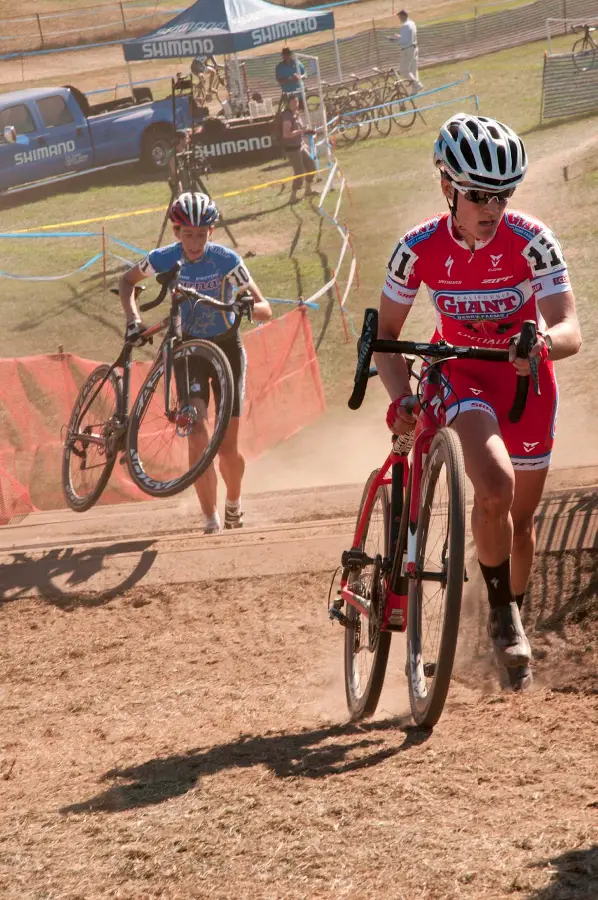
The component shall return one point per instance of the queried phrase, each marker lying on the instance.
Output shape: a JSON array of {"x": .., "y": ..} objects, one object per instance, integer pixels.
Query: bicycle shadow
[
  {"x": 576, "y": 876},
  {"x": 306, "y": 754},
  {"x": 26, "y": 573}
]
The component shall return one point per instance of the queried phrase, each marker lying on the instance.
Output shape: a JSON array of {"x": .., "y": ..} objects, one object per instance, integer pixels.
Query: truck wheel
[{"x": 156, "y": 147}]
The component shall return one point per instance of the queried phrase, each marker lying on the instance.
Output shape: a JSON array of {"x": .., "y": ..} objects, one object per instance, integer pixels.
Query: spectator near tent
[{"x": 290, "y": 72}]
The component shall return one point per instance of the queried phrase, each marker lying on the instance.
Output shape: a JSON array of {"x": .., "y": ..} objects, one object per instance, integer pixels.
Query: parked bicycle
[
  {"x": 154, "y": 437},
  {"x": 406, "y": 566},
  {"x": 584, "y": 49},
  {"x": 394, "y": 91}
]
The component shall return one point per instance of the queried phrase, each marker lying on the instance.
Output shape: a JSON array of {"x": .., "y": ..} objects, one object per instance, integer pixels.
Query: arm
[
  {"x": 126, "y": 290},
  {"x": 560, "y": 315},
  {"x": 262, "y": 311},
  {"x": 287, "y": 130},
  {"x": 392, "y": 369}
]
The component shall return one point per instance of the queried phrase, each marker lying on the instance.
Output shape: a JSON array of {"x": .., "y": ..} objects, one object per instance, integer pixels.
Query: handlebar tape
[
  {"x": 527, "y": 339},
  {"x": 165, "y": 279},
  {"x": 368, "y": 336}
]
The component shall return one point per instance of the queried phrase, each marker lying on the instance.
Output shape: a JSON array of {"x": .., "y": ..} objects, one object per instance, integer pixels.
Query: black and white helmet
[
  {"x": 480, "y": 151},
  {"x": 193, "y": 209}
]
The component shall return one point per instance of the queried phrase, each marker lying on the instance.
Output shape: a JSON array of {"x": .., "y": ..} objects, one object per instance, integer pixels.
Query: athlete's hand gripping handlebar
[{"x": 526, "y": 341}]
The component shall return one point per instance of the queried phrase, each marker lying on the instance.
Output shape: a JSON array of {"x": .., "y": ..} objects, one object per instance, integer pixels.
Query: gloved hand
[
  {"x": 244, "y": 303},
  {"x": 399, "y": 419},
  {"x": 133, "y": 333}
]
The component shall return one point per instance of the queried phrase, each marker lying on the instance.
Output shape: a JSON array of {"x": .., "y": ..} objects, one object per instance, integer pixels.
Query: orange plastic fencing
[{"x": 37, "y": 393}]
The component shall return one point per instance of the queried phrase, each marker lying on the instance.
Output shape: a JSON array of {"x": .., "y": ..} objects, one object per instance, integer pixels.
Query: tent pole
[
  {"x": 130, "y": 77},
  {"x": 337, "y": 55}
]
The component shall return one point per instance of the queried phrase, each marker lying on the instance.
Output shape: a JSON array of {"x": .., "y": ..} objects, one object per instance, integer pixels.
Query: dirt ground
[{"x": 190, "y": 740}]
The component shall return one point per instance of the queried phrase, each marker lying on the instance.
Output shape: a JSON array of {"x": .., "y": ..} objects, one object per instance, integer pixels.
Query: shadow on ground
[
  {"x": 315, "y": 753},
  {"x": 75, "y": 568},
  {"x": 575, "y": 876}
]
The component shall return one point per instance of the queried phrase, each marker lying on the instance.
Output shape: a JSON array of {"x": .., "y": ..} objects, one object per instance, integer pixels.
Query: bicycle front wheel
[
  {"x": 435, "y": 593},
  {"x": 366, "y": 646},
  {"x": 168, "y": 449},
  {"x": 583, "y": 55},
  {"x": 92, "y": 439}
]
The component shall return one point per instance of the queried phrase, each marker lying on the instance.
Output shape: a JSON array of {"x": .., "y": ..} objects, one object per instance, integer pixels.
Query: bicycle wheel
[
  {"x": 92, "y": 439},
  {"x": 435, "y": 602},
  {"x": 168, "y": 450},
  {"x": 383, "y": 125},
  {"x": 401, "y": 107},
  {"x": 583, "y": 52},
  {"x": 366, "y": 647}
]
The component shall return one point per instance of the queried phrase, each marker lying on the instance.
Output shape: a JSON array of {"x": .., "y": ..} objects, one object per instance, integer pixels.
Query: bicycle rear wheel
[
  {"x": 167, "y": 450},
  {"x": 92, "y": 439},
  {"x": 366, "y": 646},
  {"x": 435, "y": 601},
  {"x": 584, "y": 53},
  {"x": 401, "y": 107}
]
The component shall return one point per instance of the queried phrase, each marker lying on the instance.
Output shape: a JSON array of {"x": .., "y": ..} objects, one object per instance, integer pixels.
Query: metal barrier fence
[
  {"x": 87, "y": 24},
  {"x": 567, "y": 91},
  {"x": 438, "y": 42}
]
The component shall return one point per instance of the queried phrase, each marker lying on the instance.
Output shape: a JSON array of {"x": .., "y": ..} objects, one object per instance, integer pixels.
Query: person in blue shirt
[
  {"x": 289, "y": 73},
  {"x": 213, "y": 270}
]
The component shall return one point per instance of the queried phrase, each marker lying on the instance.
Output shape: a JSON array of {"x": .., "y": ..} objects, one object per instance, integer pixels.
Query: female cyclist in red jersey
[{"x": 487, "y": 270}]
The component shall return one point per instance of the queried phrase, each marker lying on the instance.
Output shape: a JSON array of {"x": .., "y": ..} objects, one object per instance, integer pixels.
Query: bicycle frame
[{"x": 401, "y": 564}]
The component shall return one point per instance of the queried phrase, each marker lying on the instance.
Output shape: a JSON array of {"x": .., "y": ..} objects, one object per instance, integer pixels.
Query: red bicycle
[{"x": 406, "y": 566}]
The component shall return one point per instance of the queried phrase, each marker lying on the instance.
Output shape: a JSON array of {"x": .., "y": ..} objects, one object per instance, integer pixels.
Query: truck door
[
  {"x": 66, "y": 139},
  {"x": 12, "y": 165}
]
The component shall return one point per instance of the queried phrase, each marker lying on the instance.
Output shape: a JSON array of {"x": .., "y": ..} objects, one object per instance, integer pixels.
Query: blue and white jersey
[{"x": 215, "y": 274}]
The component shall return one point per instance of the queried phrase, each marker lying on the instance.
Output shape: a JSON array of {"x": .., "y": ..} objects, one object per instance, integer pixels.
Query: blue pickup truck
[{"x": 50, "y": 133}]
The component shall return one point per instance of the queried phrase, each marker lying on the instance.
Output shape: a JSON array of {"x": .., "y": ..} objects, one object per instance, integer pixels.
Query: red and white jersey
[{"x": 480, "y": 297}]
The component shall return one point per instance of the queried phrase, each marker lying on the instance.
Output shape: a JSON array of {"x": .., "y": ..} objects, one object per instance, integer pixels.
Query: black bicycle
[
  {"x": 584, "y": 49},
  {"x": 162, "y": 439}
]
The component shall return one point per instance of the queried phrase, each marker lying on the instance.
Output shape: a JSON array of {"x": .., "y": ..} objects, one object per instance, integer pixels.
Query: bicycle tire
[
  {"x": 383, "y": 126},
  {"x": 77, "y": 448},
  {"x": 363, "y": 703},
  {"x": 428, "y": 688},
  {"x": 398, "y": 104},
  {"x": 211, "y": 354},
  {"x": 584, "y": 55}
]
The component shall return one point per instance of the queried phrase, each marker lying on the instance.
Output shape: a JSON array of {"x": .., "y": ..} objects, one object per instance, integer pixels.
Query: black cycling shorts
[{"x": 201, "y": 373}]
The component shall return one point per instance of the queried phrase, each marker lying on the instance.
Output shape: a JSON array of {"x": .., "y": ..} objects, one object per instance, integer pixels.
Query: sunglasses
[{"x": 483, "y": 197}]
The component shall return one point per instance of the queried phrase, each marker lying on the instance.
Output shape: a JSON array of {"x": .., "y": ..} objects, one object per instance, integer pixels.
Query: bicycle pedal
[{"x": 429, "y": 670}]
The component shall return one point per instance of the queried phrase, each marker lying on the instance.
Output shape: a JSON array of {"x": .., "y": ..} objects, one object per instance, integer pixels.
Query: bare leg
[
  {"x": 206, "y": 486},
  {"x": 491, "y": 473},
  {"x": 231, "y": 461},
  {"x": 529, "y": 486}
]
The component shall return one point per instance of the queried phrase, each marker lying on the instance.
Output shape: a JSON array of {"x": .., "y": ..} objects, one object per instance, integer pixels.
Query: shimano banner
[
  {"x": 246, "y": 143},
  {"x": 215, "y": 27}
]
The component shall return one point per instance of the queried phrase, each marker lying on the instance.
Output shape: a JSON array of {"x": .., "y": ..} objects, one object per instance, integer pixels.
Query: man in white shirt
[{"x": 407, "y": 39}]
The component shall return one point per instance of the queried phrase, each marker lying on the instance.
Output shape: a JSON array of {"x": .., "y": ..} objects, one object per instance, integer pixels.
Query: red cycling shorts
[{"x": 490, "y": 387}]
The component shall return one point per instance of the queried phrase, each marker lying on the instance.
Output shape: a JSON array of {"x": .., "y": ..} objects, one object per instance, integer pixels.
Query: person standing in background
[
  {"x": 289, "y": 73},
  {"x": 295, "y": 149},
  {"x": 408, "y": 56}
]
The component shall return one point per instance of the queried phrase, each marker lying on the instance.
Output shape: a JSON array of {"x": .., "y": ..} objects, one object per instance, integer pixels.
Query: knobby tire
[
  {"x": 212, "y": 354},
  {"x": 362, "y": 702},
  {"x": 427, "y": 700},
  {"x": 77, "y": 501}
]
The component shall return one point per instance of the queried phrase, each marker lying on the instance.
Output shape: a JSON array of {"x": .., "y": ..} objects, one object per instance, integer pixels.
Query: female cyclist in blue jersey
[{"x": 213, "y": 270}]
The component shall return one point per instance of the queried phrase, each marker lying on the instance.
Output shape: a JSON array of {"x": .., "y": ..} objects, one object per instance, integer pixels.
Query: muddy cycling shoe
[
  {"x": 516, "y": 678},
  {"x": 233, "y": 518},
  {"x": 511, "y": 646}
]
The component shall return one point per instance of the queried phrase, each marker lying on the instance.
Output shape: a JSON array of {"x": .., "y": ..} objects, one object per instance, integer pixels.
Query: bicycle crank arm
[
  {"x": 440, "y": 577},
  {"x": 361, "y": 604}
]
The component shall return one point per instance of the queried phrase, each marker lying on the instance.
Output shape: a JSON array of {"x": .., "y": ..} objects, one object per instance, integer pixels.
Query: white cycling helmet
[
  {"x": 193, "y": 209},
  {"x": 480, "y": 151}
]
